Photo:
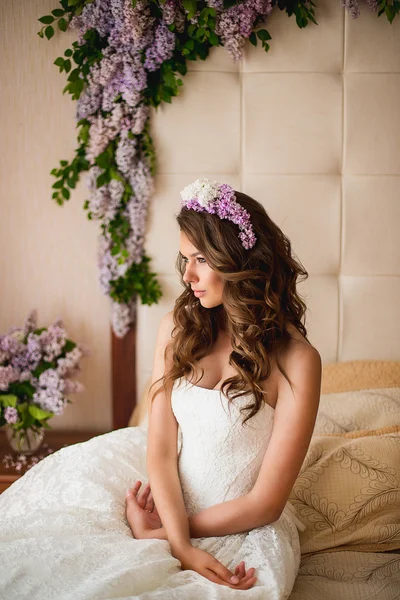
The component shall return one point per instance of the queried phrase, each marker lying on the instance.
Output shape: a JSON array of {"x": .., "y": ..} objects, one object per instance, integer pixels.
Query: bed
[{"x": 63, "y": 525}]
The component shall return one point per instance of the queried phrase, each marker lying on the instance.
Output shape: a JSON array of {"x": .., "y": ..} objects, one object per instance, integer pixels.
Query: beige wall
[
  {"x": 310, "y": 129},
  {"x": 48, "y": 252}
]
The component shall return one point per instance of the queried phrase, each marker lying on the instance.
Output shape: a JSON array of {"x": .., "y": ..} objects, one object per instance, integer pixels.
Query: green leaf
[
  {"x": 59, "y": 61},
  {"x": 115, "y": 175},
  {"x": 58, "y": 184},
  {"x": 73, "y": 2},
  {"x": 57, "y": 12},
  {"x": 191, "y": 7},
  {"x": 63, "y": 163},
  {"x": 253, "y": 38},
  {"x": 49, "y": 32},
  {"x": 68, "y": 52},
  {"x": 46, "y": 20},
  {"x": 8, "y": 400},
  {"x": 103, "y": 160},
  {"x": 103, "y": 179},
  {"x": 213, "y": 38},
  {"x": 66, "y": 193},
  {"x": 263, "y": 35},
  {"x": 38, "y": 413},
  {"x": 67, "y": 65},
  {"x": 62, "y": 24},
  {"x": 74, "y": 75}
]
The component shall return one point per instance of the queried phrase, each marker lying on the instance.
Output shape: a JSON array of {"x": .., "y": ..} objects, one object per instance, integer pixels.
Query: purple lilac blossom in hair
[{"x": 219, "y": 199}]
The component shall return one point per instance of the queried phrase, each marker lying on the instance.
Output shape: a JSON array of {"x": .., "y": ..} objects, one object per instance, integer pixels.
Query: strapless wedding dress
[{"x": 63, "y": 531}]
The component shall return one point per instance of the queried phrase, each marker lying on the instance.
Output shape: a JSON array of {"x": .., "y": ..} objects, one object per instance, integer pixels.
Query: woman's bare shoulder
[{"x": 299, "y": 350}]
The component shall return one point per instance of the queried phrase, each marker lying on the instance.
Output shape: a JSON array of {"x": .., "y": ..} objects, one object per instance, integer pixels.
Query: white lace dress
[{"x": 63, "y": 532}]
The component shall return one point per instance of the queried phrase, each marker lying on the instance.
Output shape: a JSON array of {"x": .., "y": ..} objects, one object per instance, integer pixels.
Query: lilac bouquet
[{"x": 36, "y": 366}]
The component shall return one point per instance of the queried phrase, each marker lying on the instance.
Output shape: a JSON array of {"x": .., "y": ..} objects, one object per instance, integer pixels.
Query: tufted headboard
[{"x": 311, "y": 131}]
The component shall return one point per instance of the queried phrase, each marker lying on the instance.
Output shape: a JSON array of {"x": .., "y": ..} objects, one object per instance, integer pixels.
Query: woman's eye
[{"x": 185, "y": 260}]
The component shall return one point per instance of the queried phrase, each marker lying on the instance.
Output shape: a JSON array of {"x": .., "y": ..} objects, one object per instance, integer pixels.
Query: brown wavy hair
[{"x": 259, "y": 299}]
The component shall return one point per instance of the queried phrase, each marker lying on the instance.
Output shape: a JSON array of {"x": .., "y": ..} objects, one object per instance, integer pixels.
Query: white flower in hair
[{"x": 203, "y": 190}]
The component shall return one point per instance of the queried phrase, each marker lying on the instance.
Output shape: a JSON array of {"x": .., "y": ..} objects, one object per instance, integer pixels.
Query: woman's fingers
[
  {"x": 150, "y": 502},
  {"x": 132, "y": 492},
  {"x": 249, "y": 575},
  {"x": 143, "y": 494},
  {"x": 224, "y": 573},
  {"x": 242, "y": 569},
  {"x": 242, "y": 585}
]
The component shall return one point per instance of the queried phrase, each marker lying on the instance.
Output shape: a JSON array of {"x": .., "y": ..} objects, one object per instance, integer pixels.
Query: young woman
[{"x": 231, "y": 421}]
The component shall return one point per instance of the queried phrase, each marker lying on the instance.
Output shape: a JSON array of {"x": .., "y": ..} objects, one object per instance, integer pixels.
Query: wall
[{"x": 48, "y": 252}]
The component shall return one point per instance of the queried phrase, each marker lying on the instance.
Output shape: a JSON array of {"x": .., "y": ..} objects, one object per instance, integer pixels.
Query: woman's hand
[
  {"x": 144, "y": 520},
  {"x": 141, "y": 512},
  {"x": 209, "y": 567}
]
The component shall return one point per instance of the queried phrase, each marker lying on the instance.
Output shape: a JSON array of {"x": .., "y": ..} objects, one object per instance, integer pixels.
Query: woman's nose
[{"x": 189, "y": 274}]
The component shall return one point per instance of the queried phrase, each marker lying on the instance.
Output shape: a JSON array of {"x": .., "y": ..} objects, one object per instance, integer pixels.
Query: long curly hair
[{"x": 259, "y": 299}]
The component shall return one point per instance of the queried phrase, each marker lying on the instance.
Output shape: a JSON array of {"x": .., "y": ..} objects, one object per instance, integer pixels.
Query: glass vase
[{"x": 25, "y": 441}]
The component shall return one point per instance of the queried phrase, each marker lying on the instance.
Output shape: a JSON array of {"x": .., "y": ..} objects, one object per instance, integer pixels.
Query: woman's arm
[{"x": 162, "y": 459}]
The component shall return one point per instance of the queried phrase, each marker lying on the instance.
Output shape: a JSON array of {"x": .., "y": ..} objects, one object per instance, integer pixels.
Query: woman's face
[{"x": 199, "y": 275}]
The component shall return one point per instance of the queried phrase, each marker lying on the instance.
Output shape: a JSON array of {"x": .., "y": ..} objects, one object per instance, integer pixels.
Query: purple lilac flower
[
  {"x": 70, "y": 364},
  {"x": 96, "y": 15},
  {"x": 7, "y": 375},
  {"x": 373, "y": 4},
  {"x": 122, "y": 315},
  {"x": 72, "y": 387},
  {"x": 174, "y": 15},
  {"x": 11, "y": 415},
  {"x": 52, "y": 341},
  {"x": 107, "y": 264},
  {"x": 49, "y": 395},
  {"x": 105, "y": 200},
  {"x": 31, "y": 322},
  {"x": 235, "y": 24},
  {"x": 161, "y": 49},
  {"x": 352, "y": 7},
  {"x": 125, "y": 154},
  {"x": 217, "y": 4}
]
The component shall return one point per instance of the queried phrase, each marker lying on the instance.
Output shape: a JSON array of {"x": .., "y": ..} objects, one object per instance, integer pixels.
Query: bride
[
  {"x": 232, "y": 417},
  {"x": 235, "y": 393}
]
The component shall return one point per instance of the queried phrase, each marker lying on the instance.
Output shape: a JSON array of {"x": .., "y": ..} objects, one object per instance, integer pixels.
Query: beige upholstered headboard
[{"x": 311, "y": 130}]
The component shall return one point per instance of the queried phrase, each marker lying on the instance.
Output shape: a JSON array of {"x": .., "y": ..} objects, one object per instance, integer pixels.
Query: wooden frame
[{"x": 124, "y": 400}]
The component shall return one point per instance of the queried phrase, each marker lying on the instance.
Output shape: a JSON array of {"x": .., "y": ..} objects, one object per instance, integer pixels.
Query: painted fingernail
[{"x": 234, "y": 579}]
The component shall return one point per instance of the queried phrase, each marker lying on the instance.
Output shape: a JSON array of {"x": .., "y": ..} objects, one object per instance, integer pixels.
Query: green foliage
[
  {"x": 390, "y": 8},
  {"x": 8, "y": 400},
  {"x": 137, "y": 280},
  {"x": 67, "y": 174},
  {"x": 299, "y": 8}
]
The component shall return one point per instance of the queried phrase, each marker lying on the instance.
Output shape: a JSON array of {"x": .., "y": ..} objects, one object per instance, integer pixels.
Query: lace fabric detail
[{"x": 63, "y": 529}]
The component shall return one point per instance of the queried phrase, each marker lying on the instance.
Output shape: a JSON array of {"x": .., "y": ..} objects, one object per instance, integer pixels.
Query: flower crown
[{"x": 219, "y": 199}]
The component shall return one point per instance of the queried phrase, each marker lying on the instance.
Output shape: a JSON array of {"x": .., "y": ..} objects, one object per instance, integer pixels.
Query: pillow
[
  {"x": 348, "y": 492},
  {"x": 359, "y": 375},
  {"x": 356, "y": 395}
]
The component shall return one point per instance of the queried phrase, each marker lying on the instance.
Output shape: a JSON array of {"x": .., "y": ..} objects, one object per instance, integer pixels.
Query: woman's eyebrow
[{"x": 194, "y": 254}]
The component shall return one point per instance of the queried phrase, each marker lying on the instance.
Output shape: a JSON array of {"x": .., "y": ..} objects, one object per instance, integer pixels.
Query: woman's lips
[{"x": 199, "y": 294}]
